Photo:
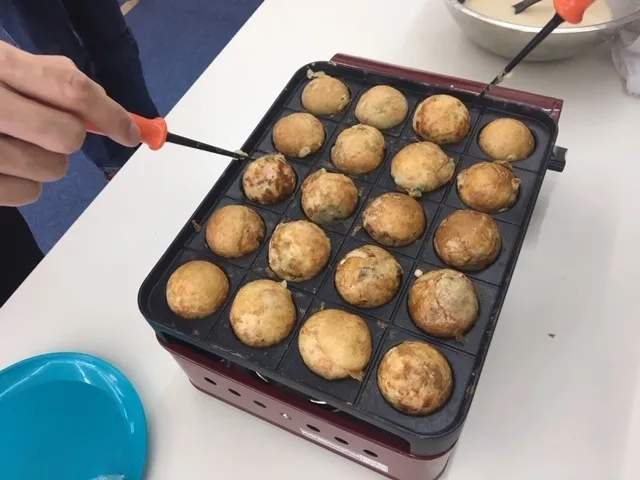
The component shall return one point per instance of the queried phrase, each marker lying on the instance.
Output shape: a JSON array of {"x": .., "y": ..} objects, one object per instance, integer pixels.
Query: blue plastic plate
[{"x": 69, "y": 416}]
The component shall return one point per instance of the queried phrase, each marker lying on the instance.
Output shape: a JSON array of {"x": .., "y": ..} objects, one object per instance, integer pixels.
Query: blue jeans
[{"x": 94, "y": 35}]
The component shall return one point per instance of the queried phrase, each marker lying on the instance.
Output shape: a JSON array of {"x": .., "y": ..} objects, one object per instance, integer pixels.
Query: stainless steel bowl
[{"x": 507, "y": 39}]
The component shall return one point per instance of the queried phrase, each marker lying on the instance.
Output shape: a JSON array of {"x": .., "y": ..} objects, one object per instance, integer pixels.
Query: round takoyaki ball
[
  {"x": 488, "y": 187},
  {"x": 415, "y": 378},
  {"x": 197, "y": 289},
  {"x": 298, "y": 135},
  {"x": 442, "y": 119},
  {"x": 263, "y": 313},
  {"x": 358, "y": 149},
  {"x": 325, "y": 95},
  {"x": 368, "y": 277},
  {"x": 394, "y": 220},
  {"x": 468, "y": 240},
  {"x": 327, "y": 197},
  {"x": 298, "y": 251},
  {"x": 421, "y": 167},
  {"x": 382, "y": 107},
  {"x": 506, "y": 139},
  {"x": 443, "y": 303},
  {"x": 268, "y": 180},
  {"x": 335, "y": 345},
  {"x": 234, "y": 231}
]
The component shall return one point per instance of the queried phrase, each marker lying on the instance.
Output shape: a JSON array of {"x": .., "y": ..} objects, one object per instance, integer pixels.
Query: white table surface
[{"x": 546, "y": 408}]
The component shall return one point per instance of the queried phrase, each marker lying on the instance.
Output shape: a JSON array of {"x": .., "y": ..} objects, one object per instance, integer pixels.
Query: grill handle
[{"x": 558, "y": 159}]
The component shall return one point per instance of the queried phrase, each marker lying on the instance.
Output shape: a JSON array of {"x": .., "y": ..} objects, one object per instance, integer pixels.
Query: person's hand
[{"x": 44, "y": 102}]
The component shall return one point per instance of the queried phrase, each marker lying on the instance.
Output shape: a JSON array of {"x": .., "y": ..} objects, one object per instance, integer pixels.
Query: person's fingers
[
  {"x": 56, "y": 81},
  {"x": 16, "y": 192},
  {"x": 24, "y": 160},
  {"x": 39, "y": 124}
]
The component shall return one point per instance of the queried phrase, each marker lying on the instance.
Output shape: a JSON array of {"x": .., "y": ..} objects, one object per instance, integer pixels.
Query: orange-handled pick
[
  {"x": 570, "y": 11},
  {"x": 154, "y": 133}
]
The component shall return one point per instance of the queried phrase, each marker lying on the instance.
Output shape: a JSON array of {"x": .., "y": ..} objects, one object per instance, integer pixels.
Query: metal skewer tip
[
  {"x": 523, "y": 5},
  {"x": 489, "y": 86}
]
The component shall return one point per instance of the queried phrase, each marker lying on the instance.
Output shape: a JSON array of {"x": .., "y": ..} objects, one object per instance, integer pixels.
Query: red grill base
[{"x": 367, "y": 446}]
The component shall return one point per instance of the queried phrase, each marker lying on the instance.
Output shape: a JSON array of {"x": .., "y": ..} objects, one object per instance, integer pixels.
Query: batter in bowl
[{"x": 539, "y": 14}]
